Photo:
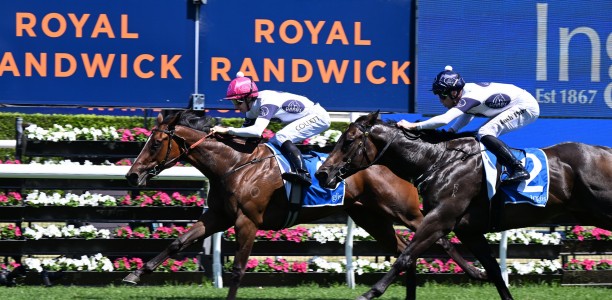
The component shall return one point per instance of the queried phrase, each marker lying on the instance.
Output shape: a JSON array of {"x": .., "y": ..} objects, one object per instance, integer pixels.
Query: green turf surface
[{"x": 429, "y": 291}]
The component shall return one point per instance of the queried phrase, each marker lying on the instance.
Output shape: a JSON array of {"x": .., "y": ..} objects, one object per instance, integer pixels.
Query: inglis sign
[{"x": 560, "y": 51}]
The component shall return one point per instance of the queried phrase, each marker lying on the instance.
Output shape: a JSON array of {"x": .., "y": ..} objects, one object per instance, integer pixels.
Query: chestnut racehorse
[
  {"x": 448, "y": 169},
  {"x": 247, "y": 192}
]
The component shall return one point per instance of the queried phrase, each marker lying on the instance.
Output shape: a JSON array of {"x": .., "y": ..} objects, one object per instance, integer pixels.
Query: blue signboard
[
  {"x": 557, "y": 50},
  {"x": 348, "y": 55},
  {"x": 97, "y": 53}
]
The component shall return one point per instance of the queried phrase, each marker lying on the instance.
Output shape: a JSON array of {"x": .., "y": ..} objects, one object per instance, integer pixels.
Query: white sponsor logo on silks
[
  {"x": 293, "y": 106},
  {"x": 307, "y": 123},
  {"x": 263, "y": 111}
]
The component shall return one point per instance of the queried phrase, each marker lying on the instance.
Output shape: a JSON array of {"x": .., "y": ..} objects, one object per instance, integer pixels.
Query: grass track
[{"x": 429, "y": 291}]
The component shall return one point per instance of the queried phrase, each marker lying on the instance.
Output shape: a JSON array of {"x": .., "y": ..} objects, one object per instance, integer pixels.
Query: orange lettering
[
  {"x": 248, "y": 68},
  {"x": 97, "y": 64},
  {"x": 278, "y": 72},
  {"x": 8, "y": 64},
  {"x": 72, "y": 65},
  {"x": 220, "y": 66},
  {"x": 295, "y": 66},
  {"x": 125, "y": 34},
  {"x": 358, "y": 40},
  {"x": 314, "y": 31},
  {"x": 299, "y": 32},
  {"x": 370, "y": 72},
  {"x": 60, "y": 30},
  {"x": 103, "y": 26},
  {"x": 337, "y": 33},
  {"x": 168, "y": 66},
  {"x": 39, "y": 65},
  {"x": 137, "y": 68},
  {"x": 400, "y": 71},
  {"x": 357, "y": 74},
  {"x": 21, "y": 25},
  {"x": 332, "y": 68},
  {"x": 266, "y": 32},
  {"x": 78, "y": 23},
  {"x": 123, "y": 66}
]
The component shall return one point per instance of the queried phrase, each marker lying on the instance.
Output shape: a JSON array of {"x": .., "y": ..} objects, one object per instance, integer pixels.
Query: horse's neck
[
  {"x": 215, "y": 158},
  {"x": 422, "y": 156}
]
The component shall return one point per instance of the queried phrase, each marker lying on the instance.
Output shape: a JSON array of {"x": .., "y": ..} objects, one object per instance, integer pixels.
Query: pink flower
[
  {"x": 252, "y": 263},
  {"x": 598, "y": 233},
  {"x": 299, "y": 267}
]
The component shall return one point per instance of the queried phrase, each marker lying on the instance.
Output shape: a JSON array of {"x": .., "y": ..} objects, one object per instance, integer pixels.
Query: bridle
[
  {"x": 344, "y": 170},
  {"x": 183, "y": 150}
]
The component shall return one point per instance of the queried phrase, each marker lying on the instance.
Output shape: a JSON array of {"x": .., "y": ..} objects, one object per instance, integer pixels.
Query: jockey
[
  {"x": 508, "y": 107},
  {"x": 303, "y": 119}
]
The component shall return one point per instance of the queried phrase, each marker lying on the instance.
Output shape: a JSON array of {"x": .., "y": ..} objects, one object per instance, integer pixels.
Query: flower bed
[{"x": 152, "y": 198}]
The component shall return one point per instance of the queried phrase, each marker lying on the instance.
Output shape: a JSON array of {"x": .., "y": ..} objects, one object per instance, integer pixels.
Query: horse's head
[
  {"x": 353, "y": 152},
  {"x": 161, "y": 151}
]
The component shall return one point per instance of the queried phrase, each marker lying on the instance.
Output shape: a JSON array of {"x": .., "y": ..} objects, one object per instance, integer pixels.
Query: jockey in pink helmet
[{"x": 302, "y": 118}]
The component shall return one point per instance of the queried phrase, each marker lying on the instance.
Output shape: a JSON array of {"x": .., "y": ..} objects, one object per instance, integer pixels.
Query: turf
[{"x": 429, "y": 291}]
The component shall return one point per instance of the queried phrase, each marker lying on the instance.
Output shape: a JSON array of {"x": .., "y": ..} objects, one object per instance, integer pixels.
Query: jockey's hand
[
  {"x": 220, "y": 130},
  {"x": 406, "y": 125}
]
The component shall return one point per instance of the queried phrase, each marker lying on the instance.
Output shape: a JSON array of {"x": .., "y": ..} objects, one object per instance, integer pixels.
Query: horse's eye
[
  {"x": 155, "y": 146},
  {"x": 347, "y": 143}
]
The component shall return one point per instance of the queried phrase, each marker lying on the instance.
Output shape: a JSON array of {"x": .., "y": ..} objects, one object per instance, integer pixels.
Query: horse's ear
[
  {"x": 372, "y": 117},
  {"x": 160, "y": 118}
]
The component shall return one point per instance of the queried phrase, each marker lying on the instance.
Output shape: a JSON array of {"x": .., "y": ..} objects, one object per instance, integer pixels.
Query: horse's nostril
[
  {"x": 321, "y": 176},
  {"x": 132, "y": 178}
]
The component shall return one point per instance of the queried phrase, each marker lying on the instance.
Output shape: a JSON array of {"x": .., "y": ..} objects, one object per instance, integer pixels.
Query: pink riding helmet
[{"x": 241, "y": 87}]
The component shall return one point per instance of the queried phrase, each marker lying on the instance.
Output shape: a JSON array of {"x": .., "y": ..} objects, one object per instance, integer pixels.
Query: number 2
[{"x": 537, "y": 167}]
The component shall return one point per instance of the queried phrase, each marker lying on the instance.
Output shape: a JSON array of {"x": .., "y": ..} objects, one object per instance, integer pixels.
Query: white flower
[
  {"x": 37, "y": 198},
  {"x": 33, "y": 264},
  {"x": 85, "y": 263},
  {"x": 69, "y": 133},
  {"x": 535, "y": 267}
]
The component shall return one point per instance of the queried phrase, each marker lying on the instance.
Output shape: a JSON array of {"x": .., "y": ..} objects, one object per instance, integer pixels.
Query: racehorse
[
  {"x": 247, "y": 192},
  {"x": 447, "y": 168}
]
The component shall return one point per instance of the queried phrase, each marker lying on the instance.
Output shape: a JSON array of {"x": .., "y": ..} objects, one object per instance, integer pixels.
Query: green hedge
[{"x": 7, "y": 124}]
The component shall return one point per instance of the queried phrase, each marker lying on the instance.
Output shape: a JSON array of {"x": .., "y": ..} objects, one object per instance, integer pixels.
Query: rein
[
  {"x": 250, "y": 162},
  {"x": 185, "y": 150}
]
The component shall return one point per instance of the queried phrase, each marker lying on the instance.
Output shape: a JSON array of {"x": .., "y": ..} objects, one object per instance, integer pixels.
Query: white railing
[
  {"x": 90, "y": 172},
  {"x": 8, "y": 144}
]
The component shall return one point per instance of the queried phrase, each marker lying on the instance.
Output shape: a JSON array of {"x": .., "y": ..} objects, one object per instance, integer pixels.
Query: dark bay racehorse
[
  {"x": 246, "y": 191},
  {"x": 448, "y": 170}
]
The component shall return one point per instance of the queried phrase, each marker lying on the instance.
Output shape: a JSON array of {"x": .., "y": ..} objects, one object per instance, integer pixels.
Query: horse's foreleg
[
  {"x": 477, "y": 243},
  {"x": 427, "y": 234},
  {"x": 469, "y": 269},
  {"x": 179, "y": 244},
  {"x": 381, "y": 228},
  {"x": 245, "y": 236}
]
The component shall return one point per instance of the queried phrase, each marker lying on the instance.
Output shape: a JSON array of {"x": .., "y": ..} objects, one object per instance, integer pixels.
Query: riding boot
[
  {"x": 516, "y": 171},
  {"x": 293, "y": 154}
]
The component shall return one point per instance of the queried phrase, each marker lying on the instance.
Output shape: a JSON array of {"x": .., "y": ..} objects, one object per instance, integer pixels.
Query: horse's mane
[
  {"x": 432, "y": 136},
  {"x": 192, "y": 119}
]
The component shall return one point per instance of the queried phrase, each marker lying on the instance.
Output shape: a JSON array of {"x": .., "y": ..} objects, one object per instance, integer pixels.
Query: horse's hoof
[
  {"x": 131, "y": 279},
  {"x": 361, "y": 298}
]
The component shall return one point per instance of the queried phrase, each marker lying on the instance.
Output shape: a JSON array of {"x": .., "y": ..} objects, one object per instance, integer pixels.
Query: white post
[
  {"x": 216, "y": 265},
  {"x": 503, "y": 254},
  {"x": 348, "y": 249}
]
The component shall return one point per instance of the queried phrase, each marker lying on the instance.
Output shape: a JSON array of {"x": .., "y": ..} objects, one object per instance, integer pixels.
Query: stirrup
[
  {"x": 517, "y": 176},
  {"x": 299, "y": 178}
]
